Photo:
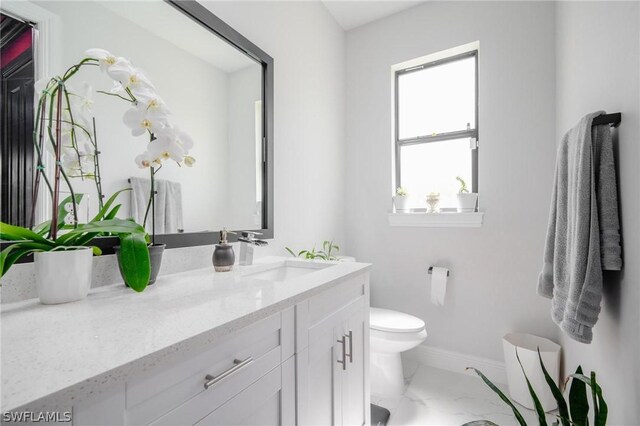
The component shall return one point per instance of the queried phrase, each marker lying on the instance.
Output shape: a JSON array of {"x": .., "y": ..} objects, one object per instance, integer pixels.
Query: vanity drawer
[
  {"x": 334, "y": 299},
  {"x": 243, "y": 358}
]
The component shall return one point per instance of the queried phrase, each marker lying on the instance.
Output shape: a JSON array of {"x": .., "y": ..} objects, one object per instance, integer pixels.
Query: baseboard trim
[{"x": 458, "y": 362}]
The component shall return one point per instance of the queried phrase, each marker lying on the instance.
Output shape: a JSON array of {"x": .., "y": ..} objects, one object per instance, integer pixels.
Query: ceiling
[{"x": 354, "y": 13}]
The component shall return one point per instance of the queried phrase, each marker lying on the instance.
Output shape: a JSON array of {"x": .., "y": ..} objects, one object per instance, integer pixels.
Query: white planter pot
[
  {"x": 527, "y": 346},
  {"x": 401, "y": 202},
  {"x": 64, "y": 275},
  {"x": 467, "y": 202}
]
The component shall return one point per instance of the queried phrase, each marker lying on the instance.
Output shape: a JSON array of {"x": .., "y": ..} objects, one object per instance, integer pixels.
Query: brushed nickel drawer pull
[
  {"x": 350, "y": 354},
  {"x": 343, "y": 341},
  {"x": 238, "y": 365}
]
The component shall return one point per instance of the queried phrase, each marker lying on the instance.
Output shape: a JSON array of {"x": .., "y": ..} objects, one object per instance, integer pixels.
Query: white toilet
[{"x": 391, "y": 333}]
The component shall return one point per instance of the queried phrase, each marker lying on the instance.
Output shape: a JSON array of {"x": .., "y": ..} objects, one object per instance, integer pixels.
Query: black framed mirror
[{"x": 220, "y": 87}]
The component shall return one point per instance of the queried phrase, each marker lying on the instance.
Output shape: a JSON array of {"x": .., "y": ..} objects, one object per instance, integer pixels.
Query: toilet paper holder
[{"x": 430, "y": 271}]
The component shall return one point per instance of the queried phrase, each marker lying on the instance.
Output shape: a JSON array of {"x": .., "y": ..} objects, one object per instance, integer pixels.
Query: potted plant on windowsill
[
  {"x": 466, "y": 200},
  {"x": 401, "y": 199}
]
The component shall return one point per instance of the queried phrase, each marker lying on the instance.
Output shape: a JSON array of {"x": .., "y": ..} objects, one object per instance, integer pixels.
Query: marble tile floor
[{"x": 437, "y": 397}]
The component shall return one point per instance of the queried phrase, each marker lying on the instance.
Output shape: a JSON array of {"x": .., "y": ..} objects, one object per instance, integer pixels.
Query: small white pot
[
  {"x": 63, "y": 275},
  {"x": 401, "y": 202},
  {"x": 467, "y": 202}
]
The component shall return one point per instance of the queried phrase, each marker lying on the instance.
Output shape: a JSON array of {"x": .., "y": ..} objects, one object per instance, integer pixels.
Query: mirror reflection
[{"x": 212, "y": 93}]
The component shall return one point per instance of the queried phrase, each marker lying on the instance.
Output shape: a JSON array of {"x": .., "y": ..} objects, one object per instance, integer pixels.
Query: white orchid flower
[
  {"x": 77, "y": 163},
  {"x": 139, "y": 122},
  {"x": 105, "y": 58},
  {"x": 152, "y": 104},
  {"x": 129, "y": 77},
  {"x": 179, "y": 137},
  {"x": 164, "y": 148},
  {"x": 144, "y": 160},
  {"x": 82, "y": 102}
]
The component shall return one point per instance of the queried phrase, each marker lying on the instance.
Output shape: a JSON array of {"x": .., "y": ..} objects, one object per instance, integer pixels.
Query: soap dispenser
[{"x": 223, "y": 255}]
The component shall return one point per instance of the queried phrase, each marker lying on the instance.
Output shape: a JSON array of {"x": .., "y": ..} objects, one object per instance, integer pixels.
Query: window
[{"x": 437, "y": 127}]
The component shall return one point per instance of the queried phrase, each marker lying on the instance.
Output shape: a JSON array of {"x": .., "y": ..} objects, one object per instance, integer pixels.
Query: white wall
[
  {"x": 598, "y": 55},
  {"x": 494, "y": 269},
  {"x": 309, "y": 59}
]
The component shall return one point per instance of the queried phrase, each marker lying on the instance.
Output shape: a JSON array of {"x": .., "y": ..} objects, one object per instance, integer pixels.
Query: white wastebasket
[{"x": 527, "y": 346}]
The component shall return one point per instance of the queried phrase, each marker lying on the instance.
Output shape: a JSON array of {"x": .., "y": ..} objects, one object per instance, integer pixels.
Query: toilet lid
[{"x": 394, "y": 321}]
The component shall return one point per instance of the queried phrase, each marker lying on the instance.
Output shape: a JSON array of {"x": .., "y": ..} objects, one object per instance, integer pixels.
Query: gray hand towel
[
  {"x": 572, "y": 270},
  {"x": 607, "y": 199}
]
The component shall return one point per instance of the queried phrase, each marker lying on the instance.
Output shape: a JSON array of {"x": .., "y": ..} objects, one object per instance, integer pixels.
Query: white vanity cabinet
[
  {"x": 301, "y": 359},
  {"x": 332, "y": 361},
  {"x": 252, "y": 368}
]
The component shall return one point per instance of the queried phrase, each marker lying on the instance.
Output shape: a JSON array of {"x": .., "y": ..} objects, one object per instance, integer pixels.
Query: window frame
[{"x": 461, "y": 134}]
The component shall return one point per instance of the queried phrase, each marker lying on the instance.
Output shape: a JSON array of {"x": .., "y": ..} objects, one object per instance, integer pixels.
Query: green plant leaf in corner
[
  {"x": 134, "y": 261},
  {"x": 578, "y": 403},
  {"x": 563, "y": 410},
  {"x": 502, "y": 396},
  {"x": 290, "y": 251},
  {"x": 542, "y": 418},
  {"x": 601, "y": 410}
]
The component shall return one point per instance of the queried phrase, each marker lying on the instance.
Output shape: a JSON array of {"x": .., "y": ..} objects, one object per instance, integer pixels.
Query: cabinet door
[
  {"x": 318, "y": 379},
  {"x": 354, "y": 380},
  {"x": 265, "y": 402}
]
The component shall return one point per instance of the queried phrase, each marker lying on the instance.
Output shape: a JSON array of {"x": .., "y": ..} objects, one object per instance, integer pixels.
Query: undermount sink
[{"x": 287, "y": 271}]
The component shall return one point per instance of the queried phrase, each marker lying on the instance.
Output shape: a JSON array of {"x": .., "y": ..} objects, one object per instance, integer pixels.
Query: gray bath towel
[
  {"x": 168, "y": 204},
  {"x": 584, "y": 203}
]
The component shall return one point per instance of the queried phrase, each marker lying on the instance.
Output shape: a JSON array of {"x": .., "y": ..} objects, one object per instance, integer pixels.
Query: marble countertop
[{"x": 54, "y": 350}]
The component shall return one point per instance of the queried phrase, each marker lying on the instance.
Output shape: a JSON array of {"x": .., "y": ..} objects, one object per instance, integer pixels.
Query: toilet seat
[{"x": 394, "y": 321}]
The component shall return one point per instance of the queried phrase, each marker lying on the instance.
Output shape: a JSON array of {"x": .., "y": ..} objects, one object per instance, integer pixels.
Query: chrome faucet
[{"x": 247, "y": 241}]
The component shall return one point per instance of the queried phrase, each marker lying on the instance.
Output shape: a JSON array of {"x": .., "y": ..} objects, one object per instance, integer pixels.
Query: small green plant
[
  {"x": 574, "y": 412},
  {"x": 463, "y": 185},
  {"x": 327, "y": 252},
  {"x": 401, "y": 192}
]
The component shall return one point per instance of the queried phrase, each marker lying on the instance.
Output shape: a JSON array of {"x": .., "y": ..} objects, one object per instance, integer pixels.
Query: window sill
[{"x": 437, "y": 220}]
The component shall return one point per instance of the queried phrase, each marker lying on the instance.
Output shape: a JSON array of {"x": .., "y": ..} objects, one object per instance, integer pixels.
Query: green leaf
[
  {"x": 14, "y": 252},
  {"x": 42, "y": 228},
  {"x": 601, "y": 409},
  {"x": 542, "y": 418},
  {"x": 578, "y": 403},
  {"x": 84, "y": 233},
  {"x": 96, "y": 251},
  {"x": 593, "y": 385},
  {"x": 114, "y": 211},
  {"x": 502, "y": 396},
  {"x": 105, "y": 209},
  {"x": 135, "y": 263},
  {"x": 290, "y": 251},
  {"x": 563, "y": 410},
  {"x": 17, "y": 233},
  {"x": 601, "y": 420}
]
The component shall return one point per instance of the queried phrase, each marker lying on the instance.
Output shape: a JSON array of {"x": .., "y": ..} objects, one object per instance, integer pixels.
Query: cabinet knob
[{"x": 238, "y": 365}]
